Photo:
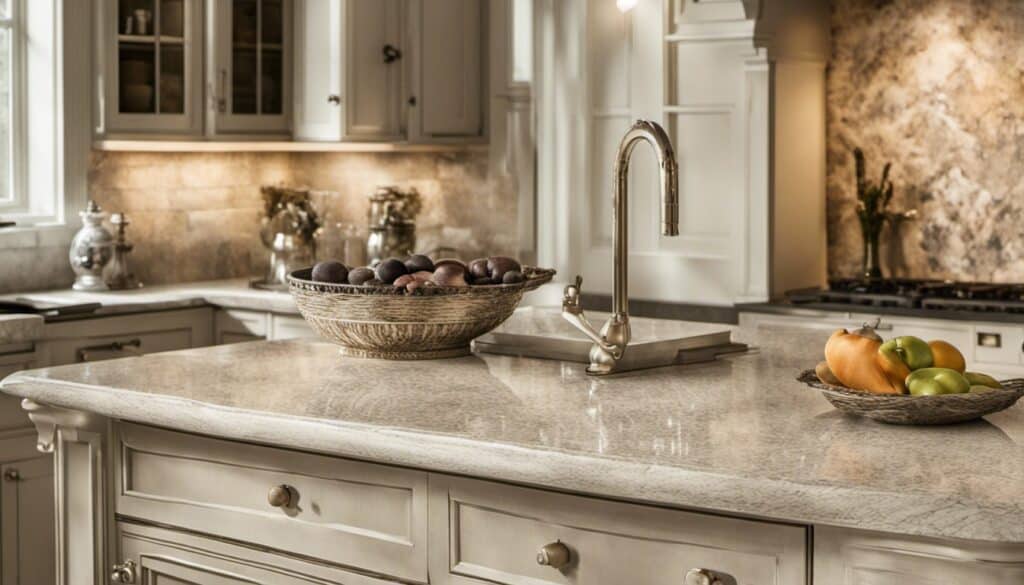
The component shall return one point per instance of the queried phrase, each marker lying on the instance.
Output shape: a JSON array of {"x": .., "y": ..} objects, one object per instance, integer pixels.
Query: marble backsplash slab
[{"x": 936, "y": 87}]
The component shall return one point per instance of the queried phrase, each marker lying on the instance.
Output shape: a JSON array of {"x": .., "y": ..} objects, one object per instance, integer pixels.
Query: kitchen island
[{"x": 283, "y": 458}]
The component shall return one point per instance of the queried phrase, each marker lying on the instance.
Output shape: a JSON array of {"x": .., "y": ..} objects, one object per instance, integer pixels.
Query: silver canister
[
  {"x": 91, "y": 250},
  {"x": 392, "y": 223}
]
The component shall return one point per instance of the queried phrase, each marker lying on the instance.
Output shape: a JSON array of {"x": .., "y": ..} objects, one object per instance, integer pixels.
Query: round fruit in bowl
[
  {"x": 411, "y": 308},
  {"x": 906, "y": 380}
]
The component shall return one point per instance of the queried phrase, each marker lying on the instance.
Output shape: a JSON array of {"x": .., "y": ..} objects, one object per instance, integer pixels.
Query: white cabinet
[
  {"x": 150, "y": 67},
  {"x": 490, "y": 532},
  {"x": 27, "y": 552},
  {"x": 447, "y": 53},
  {"x": 852, "y": 557},
  {"x": 389, "y": 70},
  {"x": 349, "y": 63},
  {"x": 236, "y": 326},
  {"x": 249, "y": 67},
  {"x": 86, "y": 340}
]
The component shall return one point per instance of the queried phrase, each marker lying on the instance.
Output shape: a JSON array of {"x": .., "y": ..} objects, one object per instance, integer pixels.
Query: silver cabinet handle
[
  {"x": 281, "y": 496},
  {"x": 555, "y": 555},
  {"x": 123, "y": 572},
  {"x": 130, "y": 347},
  {"x": 701, "y": 577}
]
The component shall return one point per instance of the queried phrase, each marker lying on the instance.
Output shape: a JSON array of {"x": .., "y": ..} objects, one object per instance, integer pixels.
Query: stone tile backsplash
[
  {"x": 936, "y": 87},
  {"x": 196, "y": 216}
]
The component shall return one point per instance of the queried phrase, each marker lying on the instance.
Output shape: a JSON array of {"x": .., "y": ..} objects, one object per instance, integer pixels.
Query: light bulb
[{"x": 626, "y": 5}]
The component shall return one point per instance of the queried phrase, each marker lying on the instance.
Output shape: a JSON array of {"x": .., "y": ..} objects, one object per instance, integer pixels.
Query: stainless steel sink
[{"x": 541, "y": 332}]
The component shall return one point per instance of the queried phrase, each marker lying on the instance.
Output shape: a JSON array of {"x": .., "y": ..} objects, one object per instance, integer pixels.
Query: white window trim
[{"x": 51, "y": 162}]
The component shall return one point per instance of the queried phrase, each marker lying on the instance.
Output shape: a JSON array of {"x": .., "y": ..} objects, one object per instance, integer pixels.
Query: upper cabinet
[
  {"x": 249, "y": 67},
  {"x": 320, "y": 70},
  {"x": 349, "y": 70},
  {"x": 389, "y": 70},
  {"x": 151, "y": 51},
  {"x": 447, "y": 49}
]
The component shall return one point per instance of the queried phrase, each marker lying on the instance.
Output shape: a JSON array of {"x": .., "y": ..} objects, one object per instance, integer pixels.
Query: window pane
[
  {"x": 135, "y": 17},
  {"x": 172, "y": 18},
  {"x": 522, "y": 40},
  {"x": 244, "y": 56},
  {"x": 5, "y": 8},
  {"x": 172, "y": 79},
  {"x": 5, "y": 114},
  {"x": 137, "y": 61}
]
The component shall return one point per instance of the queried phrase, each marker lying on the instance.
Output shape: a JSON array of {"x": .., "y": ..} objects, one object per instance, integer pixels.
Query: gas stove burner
[{"x": 917, "y": 293}]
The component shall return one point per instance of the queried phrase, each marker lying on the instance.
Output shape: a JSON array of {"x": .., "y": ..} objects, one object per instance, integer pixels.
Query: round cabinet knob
[
  {"x": 334, "y": 99},
  {"x": 12, "y": 475},
  {"x": 123, "y": 572},
  {"x": 701, "y": 577},
  {"x": 555, "y": 555},
  {"x": 281, "y": 496}
]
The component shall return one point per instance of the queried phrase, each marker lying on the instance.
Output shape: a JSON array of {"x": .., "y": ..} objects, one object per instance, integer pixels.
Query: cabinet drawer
[
  {"x": 483, "y": 531},
  {"x": 161, "y": 556},
  {"x": 356, "y": 514},
  {"x": 104, "y": 338},
  {"x": 233, "y": 326}
]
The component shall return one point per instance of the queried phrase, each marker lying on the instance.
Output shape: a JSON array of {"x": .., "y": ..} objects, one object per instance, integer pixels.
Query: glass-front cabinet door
[
  {"x": 151, "y": 79},
  {"x": 250, "y": 71}
]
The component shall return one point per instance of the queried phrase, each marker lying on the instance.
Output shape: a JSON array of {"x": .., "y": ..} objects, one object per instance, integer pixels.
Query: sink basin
[{"x": 541, "y": 332}]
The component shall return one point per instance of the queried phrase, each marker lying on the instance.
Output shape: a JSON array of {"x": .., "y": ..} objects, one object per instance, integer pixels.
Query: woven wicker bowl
[
  {"x": 918, "y": 410},
  {"x": 388, "y": 323}
]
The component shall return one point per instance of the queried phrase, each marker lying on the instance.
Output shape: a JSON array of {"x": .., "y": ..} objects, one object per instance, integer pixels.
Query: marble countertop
[
  {"x": 232, "y": 294},
  {"x": 737, "y": 436}
]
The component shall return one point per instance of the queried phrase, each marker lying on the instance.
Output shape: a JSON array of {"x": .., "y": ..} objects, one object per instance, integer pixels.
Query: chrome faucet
[{"x": 610, "y": 344}]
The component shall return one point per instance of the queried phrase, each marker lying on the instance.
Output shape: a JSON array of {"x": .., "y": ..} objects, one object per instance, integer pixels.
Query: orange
[{"x": 947, "y": 356}]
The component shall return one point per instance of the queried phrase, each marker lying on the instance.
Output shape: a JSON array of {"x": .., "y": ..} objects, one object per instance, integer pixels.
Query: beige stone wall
[
  {"x": 936, "y": 87},
  {"x": 196, "y": 216}
]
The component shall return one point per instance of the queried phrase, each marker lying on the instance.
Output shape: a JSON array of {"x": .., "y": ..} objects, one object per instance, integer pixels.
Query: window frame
[{"x": 13, "y": 22}]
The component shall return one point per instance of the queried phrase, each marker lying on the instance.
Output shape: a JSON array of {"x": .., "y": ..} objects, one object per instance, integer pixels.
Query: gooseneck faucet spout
[{"x": 610, "y": 344}]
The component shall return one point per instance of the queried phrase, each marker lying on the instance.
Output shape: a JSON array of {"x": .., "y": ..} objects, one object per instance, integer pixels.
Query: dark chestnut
[
  {"x": 330, "y": 271},
  {"x": 375, "y": 282},
  {"x": 450, "y": 275},
  {"x": 455, "y": 261},
  {"x": 390, "y": 269},
  {"x": 483, "y": 281},
  {"x": 419, "y": 263},
  {"x": 478, "y": 269},
  {"x": 360, "y": 275},
  {"x": 499, "y": 265},
  {"x": 512, "y": 277}
]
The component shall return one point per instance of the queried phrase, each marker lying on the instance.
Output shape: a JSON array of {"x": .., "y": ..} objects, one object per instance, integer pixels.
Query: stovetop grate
[{"x": 918, "y": 293}]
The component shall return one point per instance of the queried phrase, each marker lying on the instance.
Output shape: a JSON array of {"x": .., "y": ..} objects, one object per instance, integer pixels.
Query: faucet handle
[{"x": 571, "y": 296}]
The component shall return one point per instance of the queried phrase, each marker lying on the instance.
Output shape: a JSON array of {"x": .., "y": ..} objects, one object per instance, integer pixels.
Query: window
[
  {"x": 45, "y": 111},
  {"x": 7, "y": 82},
  {"x": 522, "y": 41}
]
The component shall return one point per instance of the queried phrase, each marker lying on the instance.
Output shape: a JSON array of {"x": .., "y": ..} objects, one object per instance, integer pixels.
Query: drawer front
[
  {"x": 160, "y": 556},
  {"x": 233, "y": 326},
  {"x": 361, "y": 515},
  {"x": 106, "y": 338},
  {"x": 854, "y": 557},
  {"x": 285, "y": 327},
  {"x": 493, "y": 532}
]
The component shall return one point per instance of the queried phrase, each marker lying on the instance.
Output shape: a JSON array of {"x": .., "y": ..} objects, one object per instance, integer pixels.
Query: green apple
[
  {"x": 910, "y": 350},
  {"x": 933, "y": 381},
  {"x": 978, "y": 379}
]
